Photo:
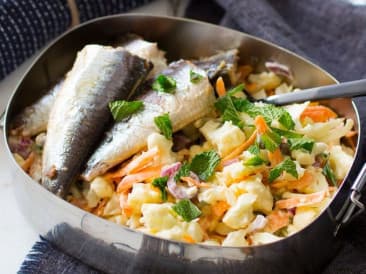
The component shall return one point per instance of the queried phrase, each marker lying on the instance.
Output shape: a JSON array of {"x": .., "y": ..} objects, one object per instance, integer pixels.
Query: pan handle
[
  {"x": 354, "y": 206},
  {"x": 2, "y": 120}
]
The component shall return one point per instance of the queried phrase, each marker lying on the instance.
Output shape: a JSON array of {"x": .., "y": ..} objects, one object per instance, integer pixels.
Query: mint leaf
[
  {"x": 121, "y": 109},
  {"x": 194, "y": 77},
  {"x": 187, "y": 210},
  {"x": 301, "y": 143},
  {"x": 161, "y": 184},
  {"x": 268, "y": 111},
  {"x": 271, "y": 140},
  {"x": 254, "y": 149},
  {"x": 165, "y": 84},
  {"x": 182, "y": 172},
  {"x": 287, "y": 165},
  {"x": 254, "y": 161},
  {"x": 286, "y": 133},
  {"x": 235, "y": 90},
  {"x": 329, "y": 174},
  {"x": 164, "y": 124},
  {"x": 204, "y": 164},
  {"x": 228, "y": 111}
]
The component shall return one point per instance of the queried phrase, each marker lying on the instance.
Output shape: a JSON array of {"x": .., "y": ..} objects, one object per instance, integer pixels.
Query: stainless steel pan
[{"x": 116, "y": 249}]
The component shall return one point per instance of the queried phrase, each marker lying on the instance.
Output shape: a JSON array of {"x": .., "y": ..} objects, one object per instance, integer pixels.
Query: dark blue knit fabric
[{"x": 27, "y": 25}]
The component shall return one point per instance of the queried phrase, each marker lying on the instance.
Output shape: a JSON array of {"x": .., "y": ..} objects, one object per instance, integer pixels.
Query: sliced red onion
[
  {"x": 279, "y": 69},
  {"x": 21, "y": 145},
  {"x": 259, "y": 222},
  {"x": 180, "y": 191},
  {"x": 229, "y": 162},
  {"x": 170, "y": 170}
]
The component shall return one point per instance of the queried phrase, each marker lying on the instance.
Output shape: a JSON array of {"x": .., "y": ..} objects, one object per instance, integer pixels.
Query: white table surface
[{"x": 16, "y": 235}]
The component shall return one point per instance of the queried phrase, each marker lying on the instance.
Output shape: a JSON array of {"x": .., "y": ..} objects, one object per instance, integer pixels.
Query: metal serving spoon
[{"x": 342, "y": 90}]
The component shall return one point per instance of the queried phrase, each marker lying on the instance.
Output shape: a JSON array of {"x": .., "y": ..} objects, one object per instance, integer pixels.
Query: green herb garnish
[
  {"x": 187, "y": 210},
  {"x": 287, "y": 165},
  {"x": 194, "y": 77},
  {"x": 161, "y": 184},
  {"x": 269, "y": 112},
  {"x": 329, "y": 174},
  {"x": 235, "y": 90},
  {"x": 254, "y": 161},
  {"x": 271, "y": 140},
  {"x": 165, "y": 84},
  {"x": 182, "y": 172},
  {"x": 301, "y": 143},
  {"x": 121, "y": 109},
  {"x": 164, "y": 124},
  {"x": 287, "y": 133},
  {"x": 254, "y": 149},
  {"x": 228, "y": 111},
  {"x": 204, "y": 164}
]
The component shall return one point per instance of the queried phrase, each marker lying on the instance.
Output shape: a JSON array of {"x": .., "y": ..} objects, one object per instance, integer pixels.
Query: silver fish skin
[
  {"x": 146, "y": 50},
  {"x": 191, "y": 101},
  {"x": 34, "y": 118},
  {"x": 223, "y": 64},
  {"x": 80, "y": 114}
]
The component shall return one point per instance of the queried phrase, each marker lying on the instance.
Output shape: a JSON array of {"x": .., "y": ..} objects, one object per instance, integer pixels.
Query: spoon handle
[{"x": 342, "y": 90}]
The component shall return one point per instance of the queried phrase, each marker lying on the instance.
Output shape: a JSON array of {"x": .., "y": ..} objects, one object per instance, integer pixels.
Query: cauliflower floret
[
  {"x": 261, "y": 94},
  {"x": 264, "y": 80},
  {"x": 158, "y": 217},
  {"x": 303, "y": 157},
  {"x": 142, "y": 194},
  {"x": 295, "y": 111},
  {"x": 101, "y": 187},
  {"x": 223, "y": 229},
  {"x": 319, "y": 182},
  {"x": 236, "y": 238},
  {"x": 164, "y": 146},
  {"x": 241, "y": 214},
  {"x": 213, "y": 194},
  {"x": 162, "y": 221},
  {"x": 282, "y": 89},
  {"x": 330, "y": 131},
  {"x": 235, "y": 172},
  {"x": 112, "y": 207},
  {"x": 254, "y": 185},
  {"x": 340, "y": 162},
  {"x": 225, "y": 137},
  {"x": 304, "y": 216},
  {"x": 260, "y": 238}
]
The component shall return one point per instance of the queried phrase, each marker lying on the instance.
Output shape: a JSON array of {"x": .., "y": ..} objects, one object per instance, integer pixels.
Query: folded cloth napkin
[{"x": 331, "y": 33}]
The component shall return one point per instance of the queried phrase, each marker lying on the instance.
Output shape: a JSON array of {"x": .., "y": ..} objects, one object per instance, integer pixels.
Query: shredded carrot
[
  {"x": 261, "y": 124},
  {"x": 244, "y": 71},
  {"x": 220, "y": 87},
  {"x": 317, "y": 113},
  {"x": 251, "y": 87},
  {"x": 188, "y": 239},
  {"x": 100, "y": 208},
  {"x": 303, "y": 182},
  {"x": 301, "y": 200},
  {"x": 28, "y": 162},
  {"x": 126, "y": 209},
  {"x": 219, "y": 208},
  {"x": 147, "y": 173},
  {"x": 194, "y": 182},
  {"x": 275, "y": 157},
  {"x": 277, "y": 220},
  {"x": 140, "y": 162},
  {"x": 236, "y": 152},
  {"x": 351, "y": 134}
]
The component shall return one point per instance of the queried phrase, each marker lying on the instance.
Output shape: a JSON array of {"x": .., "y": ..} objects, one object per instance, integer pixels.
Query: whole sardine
[
  {"x": 33, "y": 119},
  {"x": 80, "y": 114},
  {"x": 190, "y": 102}
]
